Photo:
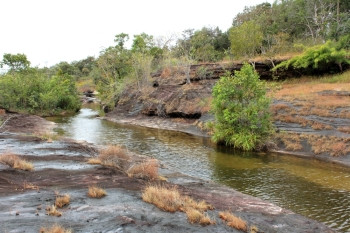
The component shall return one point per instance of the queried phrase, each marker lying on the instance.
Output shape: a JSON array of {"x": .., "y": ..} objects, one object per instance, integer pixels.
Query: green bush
[
  {"x": 242, "y": 117},
  {"x": 34, "y": 92},
  {"x": 319, "y": 55}
]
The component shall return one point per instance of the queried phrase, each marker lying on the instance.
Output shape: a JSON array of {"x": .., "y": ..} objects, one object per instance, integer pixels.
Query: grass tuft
[
  {"x": 146, "y": 170},
  {"x": 96, "y": 192},
  {"x": 233, "y": 221},
  {"x": 94, "y": 161},
  {"x": 16, "y": 162},
  {"x": 62, "y": 200},
  {"x": 55, "y": 229},
  {"x": 170, "y": 199},
  {"x": 114, "y": 156},
  {"x": 52, "y": 211}
]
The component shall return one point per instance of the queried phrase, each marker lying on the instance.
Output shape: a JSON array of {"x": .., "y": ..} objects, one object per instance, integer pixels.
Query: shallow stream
[{"x": 312, "y": 188}]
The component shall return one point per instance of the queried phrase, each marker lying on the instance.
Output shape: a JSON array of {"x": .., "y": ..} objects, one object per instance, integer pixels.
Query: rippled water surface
[{"x": 315, "y": 189}]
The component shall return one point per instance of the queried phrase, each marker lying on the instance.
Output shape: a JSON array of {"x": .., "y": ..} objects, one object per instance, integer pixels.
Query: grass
[
  {"x": 16, "y": 162},
  {"x": 170, "y": 200},
  {"x": 55, "y": 229},
  {"x": 62, "y": 200},
  {"x": 96, "y": 192},
  {"x": 52, "y": 211},
  {"x": 49, "y": 137},
  {"x": 114, "y": 156},
  {"x": 305, "y": 92},
  {"x": 145, "y": 170},
  {"x": 233, "y": 221},
  {"x": 94, "y": 161},
  {"x": 196, "y": 216},
  {"x": 345, "y": 129}
]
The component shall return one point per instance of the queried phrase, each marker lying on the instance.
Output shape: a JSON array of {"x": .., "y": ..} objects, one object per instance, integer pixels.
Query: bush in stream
[{"x": 242, "y": 116}]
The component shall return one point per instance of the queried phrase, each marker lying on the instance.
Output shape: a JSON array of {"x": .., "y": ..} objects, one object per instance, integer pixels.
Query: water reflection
[{"x": 311, "y": 188}]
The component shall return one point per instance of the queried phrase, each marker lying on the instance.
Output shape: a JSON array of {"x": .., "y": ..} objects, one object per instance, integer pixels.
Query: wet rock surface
[{"x": 61, "y": 168}]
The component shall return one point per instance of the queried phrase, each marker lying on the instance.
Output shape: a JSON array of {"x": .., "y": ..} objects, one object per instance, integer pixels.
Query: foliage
[
  {"x": 241, "y": 110},
  {"x": 34, "y": 92},
  {"x": 16, "y": 62},
  {"x": 207, "y": 44},
  {"x": 246, "y": 39},
  {"x": 316, "y": 56}
]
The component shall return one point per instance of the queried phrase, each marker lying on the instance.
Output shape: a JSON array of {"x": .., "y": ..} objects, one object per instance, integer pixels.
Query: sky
[{"x": 50, "y": 31}]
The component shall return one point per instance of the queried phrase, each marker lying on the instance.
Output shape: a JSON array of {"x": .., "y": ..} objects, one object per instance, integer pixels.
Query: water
[{"x": 312, "y": 188}]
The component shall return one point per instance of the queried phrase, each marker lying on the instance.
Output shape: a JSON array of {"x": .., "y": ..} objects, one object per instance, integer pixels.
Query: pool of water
[{"x": 312, "y": 188}]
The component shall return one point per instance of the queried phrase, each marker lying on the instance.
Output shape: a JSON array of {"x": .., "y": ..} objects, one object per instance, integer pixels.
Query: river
[{"x": 311, "y": 188}]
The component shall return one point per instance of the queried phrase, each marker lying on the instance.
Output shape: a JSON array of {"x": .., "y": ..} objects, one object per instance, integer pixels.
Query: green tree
[
  {"x": 246, "y": 39},
  {"x": 16, "y": 62},
  {"x": 242, "y": 117}
]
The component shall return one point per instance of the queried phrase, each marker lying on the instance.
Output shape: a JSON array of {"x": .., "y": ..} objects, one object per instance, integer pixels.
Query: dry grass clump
[
  {"x": 291, "y": 141},
  {"x": 233, "y": 221},
  {"x": 167, "y": 199},
  {"x": 94, "y": 161},
  {"x": 52, "y": 211},
  {"x": 144, "y": 170},
  {"x": 328, "y": 144},
  {"x": 62, "y": 200},
  {"x": 170, "y": 199},
  {"x": 96, "y": 192},
  {"x": 320, "y": 126},
  {"x": 16, "y": 162},
  {"x": 339, "y": 149},
  {"x": 196, "y": 216},
  {"x": 345, "y": 129},
  {"x": 55, "y": 229},
  {"x": 114, "y": 156}
]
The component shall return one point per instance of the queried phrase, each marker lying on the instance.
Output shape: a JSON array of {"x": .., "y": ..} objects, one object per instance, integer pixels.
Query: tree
[
  {"x": 16, "y": 62},
  {"x": 242, "y": 117},
  {"x": 246, "y": 39}
]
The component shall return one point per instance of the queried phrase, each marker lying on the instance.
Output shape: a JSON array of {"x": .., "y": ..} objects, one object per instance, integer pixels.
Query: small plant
[
  {"x": 55, "y": 229},
  {"x": 114, "y": 156},
  {"x": 170, "y": 199},
  {"x": 94, "y": 161},
  {"x": 96, "y": 192},
  {"x": 16, "y": 162},
  {"x": 62, "y": 200},
  {"x": 196, "y": 216},
  {"x": 167, "y": 199},
  {"x": 233, "y": 221},
  {"x": 52, "y": 211},
  {"x": 146, "y": 170}
]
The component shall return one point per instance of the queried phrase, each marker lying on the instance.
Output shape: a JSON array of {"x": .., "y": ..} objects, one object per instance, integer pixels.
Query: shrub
[
  {"x": 34, "y": 92},
  {"x": 316, "y": 56},
  {"x": 242, "y": 117}
]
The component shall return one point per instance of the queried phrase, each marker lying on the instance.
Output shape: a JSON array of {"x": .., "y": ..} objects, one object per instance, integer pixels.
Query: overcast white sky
[{"x": 50, "y": 31}]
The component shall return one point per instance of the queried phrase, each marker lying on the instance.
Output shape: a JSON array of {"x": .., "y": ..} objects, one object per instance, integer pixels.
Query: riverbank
[
  {"x": 311, "y": 114},
  {"x": 60, "y": 167}
]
